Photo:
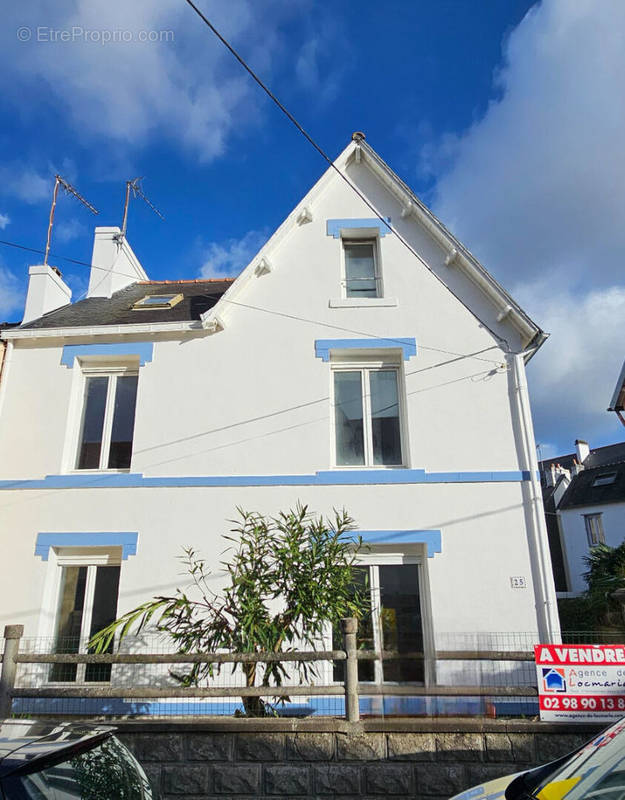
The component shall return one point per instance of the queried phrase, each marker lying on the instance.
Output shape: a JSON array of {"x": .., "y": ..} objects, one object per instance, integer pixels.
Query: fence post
[
  {"x": 349, "y": 626},
  {"x": 12, "y": 636}
]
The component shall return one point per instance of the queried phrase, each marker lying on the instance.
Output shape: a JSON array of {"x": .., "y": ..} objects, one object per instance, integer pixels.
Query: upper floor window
[
  {"x": 367, "y": 417},
  {"x": 157, "y": 301},
  {"x": 594, "y": 529},
  {"x": 362, "y": 278},
  {"x": 108, "y": 420}
]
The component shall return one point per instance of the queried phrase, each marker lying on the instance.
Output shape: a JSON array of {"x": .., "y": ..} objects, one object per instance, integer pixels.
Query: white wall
[{"x": 575, "y": 541}]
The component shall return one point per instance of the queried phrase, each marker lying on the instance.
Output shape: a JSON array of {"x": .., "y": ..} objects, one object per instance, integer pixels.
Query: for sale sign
[{"x": 580, "y": 682}]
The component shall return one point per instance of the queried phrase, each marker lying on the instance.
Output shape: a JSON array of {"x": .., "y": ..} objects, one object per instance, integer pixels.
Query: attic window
[
  {"x": 605, "y": 479},
  {"x": 157, "y": 301}
]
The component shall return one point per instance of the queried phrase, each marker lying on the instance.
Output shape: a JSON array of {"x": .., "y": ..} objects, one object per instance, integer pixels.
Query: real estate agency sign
[{"x": 580, "y": 682}]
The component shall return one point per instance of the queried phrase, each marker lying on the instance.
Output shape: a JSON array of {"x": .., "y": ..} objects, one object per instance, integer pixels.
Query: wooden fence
[{"x": 351, "y": 689}]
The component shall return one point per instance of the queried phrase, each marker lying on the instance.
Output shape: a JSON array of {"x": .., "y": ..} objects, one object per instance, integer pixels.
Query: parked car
[
  {"x": 40, "y": 760},
  {"x": 594, "y": 772}
]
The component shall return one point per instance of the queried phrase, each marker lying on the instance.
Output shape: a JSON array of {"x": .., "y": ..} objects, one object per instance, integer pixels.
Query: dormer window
[
  {"x": 362, "y": 277},
  {"x": 605, "y": 479},
  {"x": 157, "y": 301}
]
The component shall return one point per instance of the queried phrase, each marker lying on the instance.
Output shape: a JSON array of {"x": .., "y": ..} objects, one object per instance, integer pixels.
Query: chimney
[
  {"x": 550, "y": 475},
  {"x": 113, "y": 264},
  {"x": 576, "y": 468},
  {"x": 582, "y": 450},
  {"x": 46, "y": 292}
]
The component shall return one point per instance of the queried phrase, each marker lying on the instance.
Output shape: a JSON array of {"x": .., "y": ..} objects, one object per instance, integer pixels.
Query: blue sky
[{"x": 507, "y": 118}]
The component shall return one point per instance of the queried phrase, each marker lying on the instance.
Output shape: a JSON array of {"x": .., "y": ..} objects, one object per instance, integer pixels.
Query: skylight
[
  {"x": 157, "y": 301},
  {"x": 605, "y": 479}
]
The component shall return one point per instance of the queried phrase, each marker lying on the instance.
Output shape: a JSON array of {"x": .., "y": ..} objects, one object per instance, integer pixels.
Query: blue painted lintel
[
  {"x": 144, "y": 350},
  {"x": 407, "y": 344},
  {"x": 431, "y": 538},
  {"x": 126, "y": 540},
  {"x": 335, "y": 226}
]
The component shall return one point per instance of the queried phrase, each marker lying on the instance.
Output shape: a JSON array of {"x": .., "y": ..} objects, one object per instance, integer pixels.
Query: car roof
[{"x": 24, "y": 741}]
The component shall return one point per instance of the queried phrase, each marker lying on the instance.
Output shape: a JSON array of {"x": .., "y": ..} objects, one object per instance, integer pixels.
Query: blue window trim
[
  {"x": 334, "y": 226},
  {"x": 431, "y": 538},
  {"x": 144, "y": 350},
  {"x": 338, "y": 477},
  {"x": 126, "y": 540},
  {"x": 407, "y": 344}
]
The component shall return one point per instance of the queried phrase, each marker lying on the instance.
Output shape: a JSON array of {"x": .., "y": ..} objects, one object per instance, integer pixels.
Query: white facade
[
  {"x": 238, "y": 410},
  {"x": 575, "y": 537}
]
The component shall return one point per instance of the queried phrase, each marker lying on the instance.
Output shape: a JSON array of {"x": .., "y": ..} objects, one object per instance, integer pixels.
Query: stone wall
[{"x": 375, "y": 759}]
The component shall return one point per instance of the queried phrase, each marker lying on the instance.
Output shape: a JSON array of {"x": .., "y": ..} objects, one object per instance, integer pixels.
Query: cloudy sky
[{"x": 509, "y": 123}]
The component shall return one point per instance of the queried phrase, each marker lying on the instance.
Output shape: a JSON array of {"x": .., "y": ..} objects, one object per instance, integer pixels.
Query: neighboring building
[
  {"x": 339, "y": 369},
  {"x": 584, "y": 498}
]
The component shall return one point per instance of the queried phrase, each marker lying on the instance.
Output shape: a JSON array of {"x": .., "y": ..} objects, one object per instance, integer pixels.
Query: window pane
[
  {"x": 385, "y": 417},
  {"x": 402, "y": 629},
  {"x": 92, "y": 423},
  {"x": 360, "y": 269},
  {"x": 350, "y": 450},
  {"x": 69, "y": 620},
  {"x": 104, "y": 612},
  {"x": 364, "y": 640},
  {"x": 123, "y": 427}
]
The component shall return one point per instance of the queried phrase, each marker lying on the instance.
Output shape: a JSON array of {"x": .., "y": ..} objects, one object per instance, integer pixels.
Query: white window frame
[
  {"x": 92, "y": 558},
  {"x": 373, "y": 559},
  {"x": 365, "y": 365},
  {"x": 98, "y": 372},
  {"x": 356, "y": 236},
  {"x": 594, "y": 529}
]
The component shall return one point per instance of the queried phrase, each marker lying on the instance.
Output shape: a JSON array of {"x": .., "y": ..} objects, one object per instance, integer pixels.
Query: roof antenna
[
  {"x": 135, "y": 186},
  {"x": 70, "y": 190}
]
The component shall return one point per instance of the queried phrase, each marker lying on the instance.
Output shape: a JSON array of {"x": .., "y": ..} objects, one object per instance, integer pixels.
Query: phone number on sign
[{"x": 585, "y": 703}]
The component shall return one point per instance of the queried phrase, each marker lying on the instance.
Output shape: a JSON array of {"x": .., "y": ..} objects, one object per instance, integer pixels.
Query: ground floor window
[
  {"x": 87, "y": 602},
  {"x": 395, "y": 624}
]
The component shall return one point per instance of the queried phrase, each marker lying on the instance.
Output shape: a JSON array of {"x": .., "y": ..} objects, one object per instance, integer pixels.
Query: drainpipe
[
  {"x": 544, "y": 585},
  {"x": 4, "y": 370}
]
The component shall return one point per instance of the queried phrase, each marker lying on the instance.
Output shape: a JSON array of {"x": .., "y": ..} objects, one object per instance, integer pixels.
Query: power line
[{"x": 333, "y": 166}]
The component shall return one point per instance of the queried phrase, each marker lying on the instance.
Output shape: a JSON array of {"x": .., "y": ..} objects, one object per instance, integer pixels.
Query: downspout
[
  {"x": 5, "y": 363},
  {"x": 544, "y": 585}
]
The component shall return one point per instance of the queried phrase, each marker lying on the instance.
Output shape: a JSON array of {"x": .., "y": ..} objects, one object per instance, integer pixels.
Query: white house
[
  {"x": 584, "y": 496},
  {"x": 363, "y": 359}
]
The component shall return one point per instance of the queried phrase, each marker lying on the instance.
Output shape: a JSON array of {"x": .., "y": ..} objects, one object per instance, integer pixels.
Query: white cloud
[
  {"x": 11, "y": 294},
  {"x": 4, "y": 221},
  {"x": 534, "y": 188},
  {"x": 229, "y": 258},
  {"x": 184, "y": 86},
  {"x": 67, "y": 231},
  {"x": 24, "y": 182}
]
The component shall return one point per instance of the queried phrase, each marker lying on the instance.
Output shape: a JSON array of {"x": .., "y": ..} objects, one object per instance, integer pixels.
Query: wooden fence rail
[{"x": 351, "y": 688}]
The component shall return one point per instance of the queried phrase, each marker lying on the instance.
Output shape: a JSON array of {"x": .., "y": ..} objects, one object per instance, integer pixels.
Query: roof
[
  {"x": 198, "y": 296},
  {"x": 24, "y": 741},
  {"x": 581, "y": 491}
]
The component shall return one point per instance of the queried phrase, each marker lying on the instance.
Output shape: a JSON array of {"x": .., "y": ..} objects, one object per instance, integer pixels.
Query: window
[
  {"x": 108, "y": 420},
  {"x": 362, "y": 277},
  {"x": 594, "y": 529},
  {"x": 157, "y": 301},
  {"x": 604, "y": 479},
  {"x": 394, "y": 625},
  {"x": 87, "y": 602},
  {"x": 367, "y": 417}
]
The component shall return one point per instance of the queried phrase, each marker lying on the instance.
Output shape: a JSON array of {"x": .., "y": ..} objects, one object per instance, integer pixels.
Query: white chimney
[
  {"x": 113, "y": 264},
  {"x": 46, "y": 292},
  {"x": 582, "y": 450},
  {"x": 550, "y": 475}
]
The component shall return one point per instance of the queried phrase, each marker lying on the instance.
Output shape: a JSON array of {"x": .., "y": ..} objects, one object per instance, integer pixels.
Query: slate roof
[
  {"x": 581, "y": 492},
  {"x": 198, "y": 296}
]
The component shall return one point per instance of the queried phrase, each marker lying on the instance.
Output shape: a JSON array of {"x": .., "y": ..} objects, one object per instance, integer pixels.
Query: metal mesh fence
[{"x": 458, "y": 675}]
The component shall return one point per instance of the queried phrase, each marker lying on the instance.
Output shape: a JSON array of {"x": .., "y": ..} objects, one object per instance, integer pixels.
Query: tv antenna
[
  {"x": 70, "y": 190},
  {"x": 134, "y": 186}
]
